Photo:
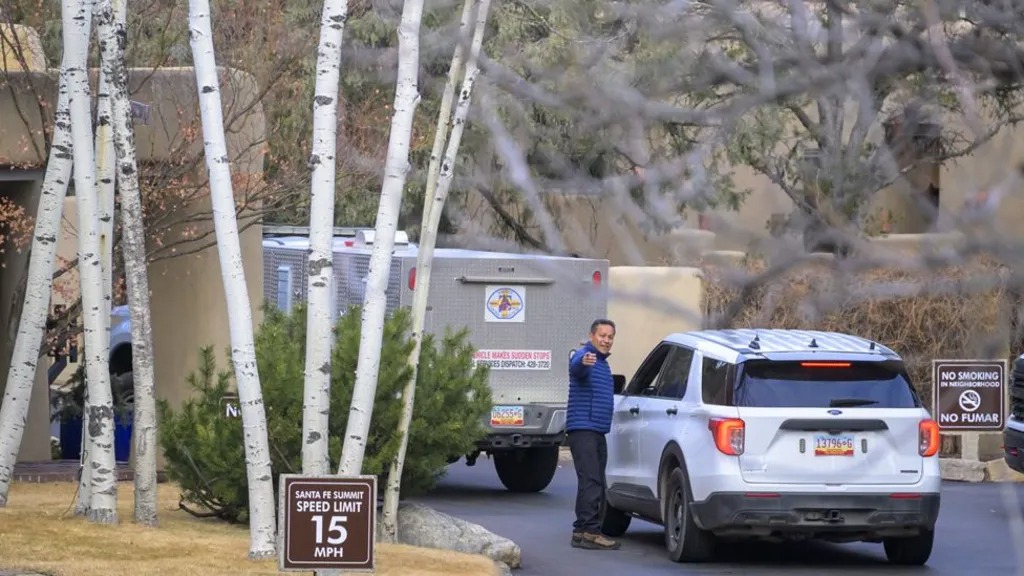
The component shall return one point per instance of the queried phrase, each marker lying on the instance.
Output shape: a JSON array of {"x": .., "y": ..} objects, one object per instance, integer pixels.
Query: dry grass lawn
[{"x": 37, "y": 532}]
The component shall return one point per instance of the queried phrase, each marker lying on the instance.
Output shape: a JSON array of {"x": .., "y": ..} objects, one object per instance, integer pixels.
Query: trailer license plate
[
  {"x": 507, "y": 416},
  {"x": 833, "y": 445}
]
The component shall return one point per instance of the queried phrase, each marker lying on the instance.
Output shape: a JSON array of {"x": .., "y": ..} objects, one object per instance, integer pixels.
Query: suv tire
[
  {"x": 912, "y": 551},
  {"x": 685, "y": 541},
  {"x": 614, "y": 522},
  {"x": 526, "y": 469}
]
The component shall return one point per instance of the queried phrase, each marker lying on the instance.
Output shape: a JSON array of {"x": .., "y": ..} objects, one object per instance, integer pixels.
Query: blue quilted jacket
[{"x": 591, "y": 393}]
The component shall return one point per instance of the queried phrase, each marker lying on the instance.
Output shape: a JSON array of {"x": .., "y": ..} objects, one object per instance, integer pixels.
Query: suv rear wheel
[
  {"x": 912, "y": 551},
  {"x": 614, "y": 522},
  {"x": 686, "y": 542}
]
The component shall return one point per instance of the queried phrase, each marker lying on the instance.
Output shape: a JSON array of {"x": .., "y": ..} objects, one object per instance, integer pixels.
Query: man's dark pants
[{"x": 590, "y": 456}]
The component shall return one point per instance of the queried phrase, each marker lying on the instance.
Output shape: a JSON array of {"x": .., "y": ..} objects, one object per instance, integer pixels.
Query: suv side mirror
[{"x": 619, "y": 383}]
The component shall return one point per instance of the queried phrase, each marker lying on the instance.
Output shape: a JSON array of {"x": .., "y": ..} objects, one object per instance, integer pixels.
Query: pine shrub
[{"x": 204, "y": 450}]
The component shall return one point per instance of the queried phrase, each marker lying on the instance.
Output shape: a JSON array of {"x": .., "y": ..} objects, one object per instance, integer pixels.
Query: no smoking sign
[
  {"x": 970, "y": 401},
  {"x": 969, "y": 395}
]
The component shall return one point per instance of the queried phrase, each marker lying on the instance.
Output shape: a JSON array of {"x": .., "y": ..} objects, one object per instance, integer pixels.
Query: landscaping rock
[
  {"x": 998, "y": 471},
  {"x": 420, "y": 525},
  {"x": 962, "y": 470}
]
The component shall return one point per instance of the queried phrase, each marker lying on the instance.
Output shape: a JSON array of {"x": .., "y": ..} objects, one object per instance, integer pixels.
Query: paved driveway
[{"x": 975, "y": 534}]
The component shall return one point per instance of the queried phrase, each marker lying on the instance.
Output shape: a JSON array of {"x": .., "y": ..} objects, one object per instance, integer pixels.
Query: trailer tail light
[
  {"x": 729, "y": 435},
  {"x": 928, "y": 433},
  {"x": 412, "y": 278},
  {"x": 596, "y": 277}
]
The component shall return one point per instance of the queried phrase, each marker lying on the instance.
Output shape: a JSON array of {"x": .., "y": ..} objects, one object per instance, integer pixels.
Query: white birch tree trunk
[
  {"x": 444, "y": 115},
  {"x": 316, "y": 404},
  {"x": 104, "y": 146},
  {"x": 396, "y": 169},
  {"x": 84, "y": 462},
  {"x": 112, "y": 38},
  {"x": 105, "y": 180},
  {"x": 32, "y": 327},
  {"x": 77, "y": 22},
  {"x": 262, "y": 530},
  {"x": 433, "y": 206}
]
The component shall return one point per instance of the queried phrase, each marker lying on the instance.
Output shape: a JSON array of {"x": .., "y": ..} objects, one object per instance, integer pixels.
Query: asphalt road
[{"x": 977, "y": 525}]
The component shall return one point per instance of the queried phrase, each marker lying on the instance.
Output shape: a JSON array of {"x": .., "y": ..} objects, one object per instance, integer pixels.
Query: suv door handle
[
  {"x": 672, "y": 411},
  {"x": 634, "y": 409}
]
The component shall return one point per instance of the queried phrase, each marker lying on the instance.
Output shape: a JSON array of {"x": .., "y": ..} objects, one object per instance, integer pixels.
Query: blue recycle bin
[{"x": 71, "y": 437}]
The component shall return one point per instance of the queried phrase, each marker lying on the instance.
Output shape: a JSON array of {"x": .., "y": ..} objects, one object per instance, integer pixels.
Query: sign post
[
  {"x": 969, "y": 395},
  {"x": 229, "y": 406},
  {"x": 327, "y": 523}
]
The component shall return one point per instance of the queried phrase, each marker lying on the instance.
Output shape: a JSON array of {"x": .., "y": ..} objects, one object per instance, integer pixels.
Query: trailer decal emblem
[{"x": 505, "y": 304}]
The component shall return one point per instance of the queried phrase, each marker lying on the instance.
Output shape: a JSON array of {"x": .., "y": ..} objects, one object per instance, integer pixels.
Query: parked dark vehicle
[{"x": 1013, "y": 434}]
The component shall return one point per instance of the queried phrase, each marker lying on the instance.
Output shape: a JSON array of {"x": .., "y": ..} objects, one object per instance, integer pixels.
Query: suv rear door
[{"x": 829, "y": 422}]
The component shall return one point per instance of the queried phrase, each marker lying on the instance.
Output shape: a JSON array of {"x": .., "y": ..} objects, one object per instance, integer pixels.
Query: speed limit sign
[{"x": 327, "y": 523}]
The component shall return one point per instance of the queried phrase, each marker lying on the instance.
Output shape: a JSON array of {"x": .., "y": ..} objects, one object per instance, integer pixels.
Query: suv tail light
[
  {"x": 729, "y": 435},
  {"x": 928, "y": 434}
]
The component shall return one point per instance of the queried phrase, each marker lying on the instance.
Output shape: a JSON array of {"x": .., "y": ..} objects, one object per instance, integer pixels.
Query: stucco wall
[
  {"x": 20, "y": 48},
  {"x": 647, "y": 303}
]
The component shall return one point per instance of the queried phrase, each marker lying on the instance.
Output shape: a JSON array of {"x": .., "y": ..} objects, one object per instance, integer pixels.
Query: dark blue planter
[
  {"x": 71, "y": 437},
  {"x": 123, "y": 436}
]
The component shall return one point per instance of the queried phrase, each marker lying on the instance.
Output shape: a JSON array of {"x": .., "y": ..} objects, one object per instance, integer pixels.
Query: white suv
[{"x": 775, "y": 434}]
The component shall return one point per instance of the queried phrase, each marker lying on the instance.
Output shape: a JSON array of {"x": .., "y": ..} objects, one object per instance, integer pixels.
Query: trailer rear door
[{"x": 524, "y": 313}]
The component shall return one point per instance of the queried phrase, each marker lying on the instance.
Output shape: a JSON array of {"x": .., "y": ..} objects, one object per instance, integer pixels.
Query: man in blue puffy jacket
[{"x": 588, "y": 420}]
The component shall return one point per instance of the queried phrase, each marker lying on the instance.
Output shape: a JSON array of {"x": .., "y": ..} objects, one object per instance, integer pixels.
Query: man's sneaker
[
  {"x": 577, "y": 538},
  {"x": 597, "y": 542}
]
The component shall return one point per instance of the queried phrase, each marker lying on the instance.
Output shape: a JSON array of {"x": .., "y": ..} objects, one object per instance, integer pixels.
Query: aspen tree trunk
[
  {"x": 104, "y": 146},
  {"x": 433, "y": 206},
  {"x": 32, "y": 326},
  {"x": 262, "y": 528},
  {"x": 112, "y": 38},
  {"x": 77, "y": 23},
  {"x": 316, "y": 403},
  {"x": 84, "y": 462},
  {"x": 375, "y": 301},
  {"x": 445, "y": 113},
  {"x": 105, "y": 178}
]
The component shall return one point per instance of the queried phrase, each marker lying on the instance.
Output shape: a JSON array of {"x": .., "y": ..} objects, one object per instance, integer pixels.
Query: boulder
[
  {"x": 962, "y": 470},
  {"x": 502, "y": 569},
  {"x": 997, "y": 471},
  {"x": 420, "y": 525}
]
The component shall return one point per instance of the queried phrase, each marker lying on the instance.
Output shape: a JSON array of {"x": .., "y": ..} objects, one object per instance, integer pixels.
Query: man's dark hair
[{"x": 601, "y": 322}]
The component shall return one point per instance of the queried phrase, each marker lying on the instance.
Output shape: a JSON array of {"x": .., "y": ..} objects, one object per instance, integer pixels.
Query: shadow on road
[{"x": 802, "y": 554}]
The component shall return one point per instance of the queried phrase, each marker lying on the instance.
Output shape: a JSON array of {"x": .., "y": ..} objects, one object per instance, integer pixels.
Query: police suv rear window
[{"x": 818, "y": 384}]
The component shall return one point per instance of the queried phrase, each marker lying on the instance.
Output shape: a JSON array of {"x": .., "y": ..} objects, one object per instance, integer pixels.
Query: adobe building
[{"x": 186, "y": 292}]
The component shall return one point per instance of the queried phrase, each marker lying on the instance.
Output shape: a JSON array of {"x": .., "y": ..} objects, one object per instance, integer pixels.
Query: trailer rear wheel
[{"x": 526, "y": 469}]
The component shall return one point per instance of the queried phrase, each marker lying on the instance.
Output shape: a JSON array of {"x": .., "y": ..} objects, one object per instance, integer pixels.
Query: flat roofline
[{"x": 22, "y": 175}]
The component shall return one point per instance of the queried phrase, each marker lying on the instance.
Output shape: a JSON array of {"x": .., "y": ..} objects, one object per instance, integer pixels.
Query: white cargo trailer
[{"x": 525, "y": 313}]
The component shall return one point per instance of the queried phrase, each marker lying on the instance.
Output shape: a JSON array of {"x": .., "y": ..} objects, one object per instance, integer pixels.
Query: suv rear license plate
[
  {"x": 833, "y": 445},
  {"x": 510, "y": 416}
]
